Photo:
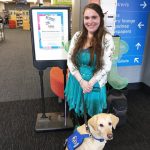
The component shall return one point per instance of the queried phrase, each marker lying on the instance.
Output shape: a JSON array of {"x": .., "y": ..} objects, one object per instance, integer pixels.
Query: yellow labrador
[{"x": 100, "y": 130}]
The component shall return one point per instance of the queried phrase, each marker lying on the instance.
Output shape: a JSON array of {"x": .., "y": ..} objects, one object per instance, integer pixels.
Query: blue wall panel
[{"x": 131, "y": 26}]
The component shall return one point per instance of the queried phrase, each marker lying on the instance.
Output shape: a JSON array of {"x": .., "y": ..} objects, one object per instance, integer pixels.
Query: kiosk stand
[
  {"x": 52, "y": 121},
  {"x": 48, "y": 31}
]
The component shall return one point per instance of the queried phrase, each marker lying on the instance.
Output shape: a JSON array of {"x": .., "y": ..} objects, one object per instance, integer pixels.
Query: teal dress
[{"x": 96, "y": 100}]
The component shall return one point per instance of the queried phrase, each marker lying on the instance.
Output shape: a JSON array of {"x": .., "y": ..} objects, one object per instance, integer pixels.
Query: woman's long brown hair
[{"x": 96, "y": 43}]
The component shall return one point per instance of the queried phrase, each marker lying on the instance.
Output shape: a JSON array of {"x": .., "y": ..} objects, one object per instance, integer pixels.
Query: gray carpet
[
  {"x": 19, "y": 80},
  {"x": 18, "y": 122}
]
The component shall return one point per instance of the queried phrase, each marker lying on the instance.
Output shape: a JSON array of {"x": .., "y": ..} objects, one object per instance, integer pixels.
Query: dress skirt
[{"x": 95, "y": 100}]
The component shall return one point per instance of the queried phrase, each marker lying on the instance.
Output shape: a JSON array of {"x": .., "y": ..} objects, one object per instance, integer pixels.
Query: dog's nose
[{"x": 110, "y": 136}]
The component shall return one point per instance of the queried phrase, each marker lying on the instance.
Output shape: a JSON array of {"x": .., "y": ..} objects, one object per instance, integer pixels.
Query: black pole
[
  {"x": 42, "y": 93},
  {"x": 65, "y": 74},
  {"x": 65, "y": 115}
]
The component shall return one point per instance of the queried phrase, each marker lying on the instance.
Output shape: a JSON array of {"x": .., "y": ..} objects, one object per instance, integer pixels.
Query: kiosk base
[{"x": 52, "y": 121}]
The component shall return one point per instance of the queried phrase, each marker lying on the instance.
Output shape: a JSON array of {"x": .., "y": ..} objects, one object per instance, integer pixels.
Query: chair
[{"x": 57, "y": 82}]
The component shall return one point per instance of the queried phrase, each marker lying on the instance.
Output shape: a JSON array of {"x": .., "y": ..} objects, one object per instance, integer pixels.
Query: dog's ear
[
  {"x": 93, "y": 122},
  {"x": 115, "y": 120}
]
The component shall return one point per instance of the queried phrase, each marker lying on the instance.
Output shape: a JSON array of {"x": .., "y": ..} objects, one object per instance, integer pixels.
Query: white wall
[{"x": 146, "y": 64}]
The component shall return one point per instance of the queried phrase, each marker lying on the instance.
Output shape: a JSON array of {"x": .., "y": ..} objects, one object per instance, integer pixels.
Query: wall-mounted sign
[{"x": 131, "y": 26}]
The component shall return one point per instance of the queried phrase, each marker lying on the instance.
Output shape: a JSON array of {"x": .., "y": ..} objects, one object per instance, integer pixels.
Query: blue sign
[
  {"x": 131, "y": 26},
  {"x": 133, "y": 5},
  {"x": 131, "y": 23},
  {"x": 135, "y": 45},
  {"x": 131, "y": 60}
]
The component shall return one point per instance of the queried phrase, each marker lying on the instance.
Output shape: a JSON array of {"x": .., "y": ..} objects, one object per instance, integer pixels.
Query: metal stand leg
[
  {"x": 51, "y": 121},
  {"x": 65, "y": 107},
  {"x": 42, "y": 93}
]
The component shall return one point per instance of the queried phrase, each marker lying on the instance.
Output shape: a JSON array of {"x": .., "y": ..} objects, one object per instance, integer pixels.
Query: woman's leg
[
  {"x": 73, "y": 117},
  {"x": 76, "y": 120}
]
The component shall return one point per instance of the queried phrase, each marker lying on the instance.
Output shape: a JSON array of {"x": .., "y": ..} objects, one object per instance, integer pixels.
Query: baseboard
[
  {"x": 134, "y": 86},
  {"x": 139, "y": 85}
]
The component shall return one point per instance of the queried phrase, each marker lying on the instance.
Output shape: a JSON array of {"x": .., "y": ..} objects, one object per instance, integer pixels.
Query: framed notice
[{"x": 50, "y": 28}]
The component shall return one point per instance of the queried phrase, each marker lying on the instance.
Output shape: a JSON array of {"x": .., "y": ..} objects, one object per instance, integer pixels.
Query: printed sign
[
  {"x": 131, "y": 25},
  {"x": 50, "y": 28}
]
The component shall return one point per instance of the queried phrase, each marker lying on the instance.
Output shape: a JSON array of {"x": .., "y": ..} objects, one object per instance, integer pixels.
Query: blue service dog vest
[{"x": 75, "y": 140}]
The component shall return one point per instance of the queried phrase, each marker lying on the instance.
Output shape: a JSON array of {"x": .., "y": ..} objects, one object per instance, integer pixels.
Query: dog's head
[{"x": 102, "y": 125}]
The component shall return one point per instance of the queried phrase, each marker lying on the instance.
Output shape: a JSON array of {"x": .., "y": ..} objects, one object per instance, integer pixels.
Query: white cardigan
[{"x": 108, "y": 45}]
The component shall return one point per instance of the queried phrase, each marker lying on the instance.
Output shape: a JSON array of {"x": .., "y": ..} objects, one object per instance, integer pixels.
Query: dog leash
[
  {"x": 95, "y": 89},
  {"x": 85, "y": 117},
  {"x": 84, "y": 111}
]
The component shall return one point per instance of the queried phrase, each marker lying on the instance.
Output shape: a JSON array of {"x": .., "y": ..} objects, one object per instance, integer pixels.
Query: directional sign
[
  {"x": 130, "y": 60},
  {"x": 133, "y": 5},
  {"x": 131, "y": 25},
  {"x": 143, "y": 5},
  {"x": 135, "y": 45}
]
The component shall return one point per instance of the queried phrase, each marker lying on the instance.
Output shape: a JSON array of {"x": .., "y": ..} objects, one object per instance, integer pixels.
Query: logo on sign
[{"x": 74, "y": 141}]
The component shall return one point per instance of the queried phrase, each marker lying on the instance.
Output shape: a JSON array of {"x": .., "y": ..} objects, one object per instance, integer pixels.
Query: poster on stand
[{"x": 50, "y": 30}]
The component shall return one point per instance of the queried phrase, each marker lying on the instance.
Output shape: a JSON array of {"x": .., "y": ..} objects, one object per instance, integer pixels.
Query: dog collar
[
  {"x": 100, "y": 139},
  {"x": 91, "y": 135}
]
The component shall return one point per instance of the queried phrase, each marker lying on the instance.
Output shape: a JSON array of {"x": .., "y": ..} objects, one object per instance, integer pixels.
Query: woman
[{"x": 89, "y": 61}]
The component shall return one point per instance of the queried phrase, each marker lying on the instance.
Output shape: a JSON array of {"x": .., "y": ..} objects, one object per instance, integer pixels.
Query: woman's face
[{"x": 91, "y": 20}]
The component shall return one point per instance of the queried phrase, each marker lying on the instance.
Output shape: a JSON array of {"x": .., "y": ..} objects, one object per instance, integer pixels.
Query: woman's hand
[
  {"x": 92, "y": 82},
  {"x": 86, "y": 86}
]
